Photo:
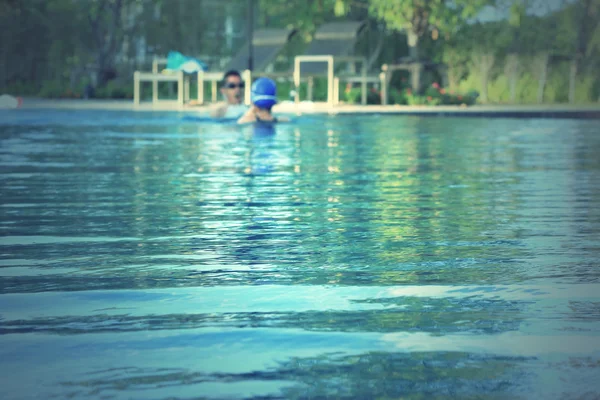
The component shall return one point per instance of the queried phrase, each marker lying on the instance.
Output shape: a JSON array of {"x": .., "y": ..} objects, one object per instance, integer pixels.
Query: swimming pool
[{"x": 147, "y": 256}]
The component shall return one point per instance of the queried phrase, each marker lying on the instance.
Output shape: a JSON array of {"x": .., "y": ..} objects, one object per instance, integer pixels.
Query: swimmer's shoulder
[{"x": 235, "y": 110}]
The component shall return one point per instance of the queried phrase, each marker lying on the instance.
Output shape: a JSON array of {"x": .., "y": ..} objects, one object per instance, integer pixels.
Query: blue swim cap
[{"x": 264, "y": 93}]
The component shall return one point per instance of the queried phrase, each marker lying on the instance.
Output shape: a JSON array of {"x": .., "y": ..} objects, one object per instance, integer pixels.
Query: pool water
[{"x": 151, "y": 256}]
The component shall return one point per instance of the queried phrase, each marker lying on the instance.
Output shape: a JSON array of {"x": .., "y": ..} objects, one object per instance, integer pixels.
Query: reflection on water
[{"x": 144, "y": 255}]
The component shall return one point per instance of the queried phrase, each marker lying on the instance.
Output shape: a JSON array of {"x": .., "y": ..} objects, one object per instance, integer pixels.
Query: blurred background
[{"x": 507, "y": 51}]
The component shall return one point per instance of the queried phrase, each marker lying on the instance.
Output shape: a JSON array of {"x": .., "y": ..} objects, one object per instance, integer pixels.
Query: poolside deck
[{"x": 507, "y": 111}]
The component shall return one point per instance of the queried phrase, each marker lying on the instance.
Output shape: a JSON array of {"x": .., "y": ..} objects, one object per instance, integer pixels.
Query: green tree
[
  {"x": 485, "y": 44},
  {"x": 56, "y": 38},
  {"x": 517, "y": 14},
  {"x": 417, "y": 17},
  {"x": 304, "y": 15},
  {"x": 582, "y": 18},
  {"x": 107, "y": 29}
]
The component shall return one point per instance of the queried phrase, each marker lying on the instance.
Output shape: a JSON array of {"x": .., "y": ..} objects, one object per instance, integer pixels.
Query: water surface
[{"x": 148, "y": 256}]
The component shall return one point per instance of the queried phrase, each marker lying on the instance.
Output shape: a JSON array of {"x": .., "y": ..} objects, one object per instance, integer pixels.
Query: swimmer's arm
[
  {"x": 218, "y": 110},
  {"x": 283, "y": 119},
  {"x": 248, "y": 117}
]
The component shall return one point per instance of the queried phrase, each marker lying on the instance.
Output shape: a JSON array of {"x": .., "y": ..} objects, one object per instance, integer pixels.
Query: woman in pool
[{"x": 263, "y": 97}]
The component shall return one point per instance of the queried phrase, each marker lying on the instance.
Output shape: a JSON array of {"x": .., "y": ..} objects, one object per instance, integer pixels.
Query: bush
[
  {"x": 499, "y": 90},
  {"x": 373, "y": 96},
  {"x": 319, "y": 90},
  {"x": 284, "y": 89},
  {"x": 115, "y": 90},
  {"x": 586, "y": 89},
  {"x": 21, "y": 88},
  {"x": 471, "y": 83},
  {"x": 398, "y": 97},
  {"x": 352, "y": 95},
  {"x": 51, "y": 90},
  {"x": 432, "y": 96},
  {"x": 118, "y": 90}
]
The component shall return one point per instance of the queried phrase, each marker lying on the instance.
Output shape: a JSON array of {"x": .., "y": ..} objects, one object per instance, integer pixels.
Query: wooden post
[
  {"x": 330, "y": 82},
  {"x": 186, "y": 90},
  {"x": 247, "y": 77},
  {"x": 297, "y": 79},
  {"x": 315, "y": 58},
  {"x": 336, "y": 91},
  {"x": 200, "y": 87},
  {"x": 415, "y": 77},
  {"x": 383, "y": 93},
  {"x": 363, "y": 84},
  {"x": 180, "y": 88},
  {"x": 154, "y": 83},
  {"x": 136, "y": 88},
  {"x": 384, "y": 84}
]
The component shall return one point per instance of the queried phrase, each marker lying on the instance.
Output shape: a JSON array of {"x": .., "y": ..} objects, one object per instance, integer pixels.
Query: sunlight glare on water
[{"x": 143, "y": 255}]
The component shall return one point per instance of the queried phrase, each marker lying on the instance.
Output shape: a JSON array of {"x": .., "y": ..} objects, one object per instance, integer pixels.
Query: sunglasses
[{"x": 241, "y": 85}]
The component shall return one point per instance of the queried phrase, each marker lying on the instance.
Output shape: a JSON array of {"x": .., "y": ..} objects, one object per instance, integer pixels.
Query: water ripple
[{"x": 150, "y": 255}]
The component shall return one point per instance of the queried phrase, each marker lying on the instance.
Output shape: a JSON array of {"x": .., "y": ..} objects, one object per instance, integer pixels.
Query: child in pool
[{"x": 263, "y": 98}]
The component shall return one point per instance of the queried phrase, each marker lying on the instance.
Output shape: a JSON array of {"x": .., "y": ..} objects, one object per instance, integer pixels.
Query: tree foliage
[
  {"x": 304, "y": 15},
  {"x": 66, "y": 43},
  {"x": 419, "y": 16}
]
